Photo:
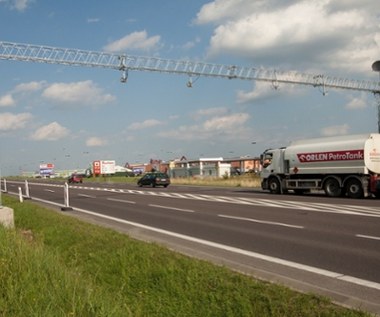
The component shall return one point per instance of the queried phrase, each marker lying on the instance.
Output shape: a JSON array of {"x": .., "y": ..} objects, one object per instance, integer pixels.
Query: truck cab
[{"x": 273, "y": 166}]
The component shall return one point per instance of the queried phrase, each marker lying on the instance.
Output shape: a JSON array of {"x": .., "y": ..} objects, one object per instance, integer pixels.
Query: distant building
[
  {"x": 245, "y": 164},
  {"x": 203, "y": 167}
]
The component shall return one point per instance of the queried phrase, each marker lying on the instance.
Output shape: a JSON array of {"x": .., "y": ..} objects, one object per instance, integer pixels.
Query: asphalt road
[{"x": 310, "y": 243}]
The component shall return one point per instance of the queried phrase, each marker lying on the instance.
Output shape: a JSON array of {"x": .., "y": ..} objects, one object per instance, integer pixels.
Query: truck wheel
[
  {"x": 274, "y": 186},
  {"x": 332, "y": 188},
  {"x": 354, "y": 188}
]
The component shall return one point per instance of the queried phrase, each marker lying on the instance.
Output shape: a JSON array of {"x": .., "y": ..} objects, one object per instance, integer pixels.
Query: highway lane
[{"x": 337, "y": 235}]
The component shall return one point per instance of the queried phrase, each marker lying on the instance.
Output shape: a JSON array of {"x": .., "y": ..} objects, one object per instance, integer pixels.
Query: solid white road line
[{"x": 262, "y": 221}]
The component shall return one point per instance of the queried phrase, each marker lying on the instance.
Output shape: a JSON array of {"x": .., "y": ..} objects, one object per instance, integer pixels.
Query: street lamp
[
  {"x": 376, "y": 68},
  {"x": 1, "y": 198}
]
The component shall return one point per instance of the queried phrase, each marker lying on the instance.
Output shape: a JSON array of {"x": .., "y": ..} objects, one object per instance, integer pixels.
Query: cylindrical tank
[{"x": 352, "y": 154}]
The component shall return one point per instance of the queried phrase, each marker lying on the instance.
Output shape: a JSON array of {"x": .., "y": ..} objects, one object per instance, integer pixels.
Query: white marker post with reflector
[
  {"x": 27, "y": 195},
  {"x": 20, "y": 195},
  {"x": 66, "y": 207}
]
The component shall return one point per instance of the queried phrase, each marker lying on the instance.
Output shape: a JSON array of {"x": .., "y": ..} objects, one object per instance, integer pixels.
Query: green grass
[
  {"x": 56, "y": 265},
  {"x": 234, "y": 181}
]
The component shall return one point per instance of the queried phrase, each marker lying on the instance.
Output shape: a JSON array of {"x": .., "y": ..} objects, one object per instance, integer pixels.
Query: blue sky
[{"x": 71, "y": 116}]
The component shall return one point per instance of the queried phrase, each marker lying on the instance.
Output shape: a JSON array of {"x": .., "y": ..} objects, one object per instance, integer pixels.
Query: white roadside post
[
  {"x": 27, "y": 195},
  {"x": 5, "y": 186},
  {"x": 20, "y": 195},
  {"x": 66, "y": 206}
]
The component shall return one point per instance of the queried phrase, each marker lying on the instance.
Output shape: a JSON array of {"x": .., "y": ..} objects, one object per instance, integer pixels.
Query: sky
[{"x": 70, "y": 116}]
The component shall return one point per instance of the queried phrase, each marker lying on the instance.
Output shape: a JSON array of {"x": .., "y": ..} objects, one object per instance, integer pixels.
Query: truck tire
[
  {"x": 332, "y": 187},
  {"x": 274, "y": 186},
  {"x": 354, "y": 188}
]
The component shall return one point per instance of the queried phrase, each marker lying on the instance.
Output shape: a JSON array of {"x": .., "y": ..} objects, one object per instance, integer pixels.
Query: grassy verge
[
  {"x": 235, "y": 181},
  {"x": 55, "y": 265}
]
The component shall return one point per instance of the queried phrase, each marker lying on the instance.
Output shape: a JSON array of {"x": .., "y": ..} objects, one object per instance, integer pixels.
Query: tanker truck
[{"x": 340, "y": 166}]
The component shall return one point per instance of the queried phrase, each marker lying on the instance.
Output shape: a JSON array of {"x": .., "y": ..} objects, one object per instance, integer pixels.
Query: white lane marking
[
  {"x": 262, "y": 221},
  {"x": 367, "y": 237},
  {"x": 87, "y": 196},
  {"x": 122, "y": 200},
  {"x": 200, "y": 197},
  {"x": 251, "y": 254},
  {"x": 49, "y": 190},
  {"x": 171, "y": 208},
  {"x": 234, "y": 200}
]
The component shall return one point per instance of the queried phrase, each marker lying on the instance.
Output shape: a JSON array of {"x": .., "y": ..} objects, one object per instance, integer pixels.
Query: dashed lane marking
[
  {"x": 367, "y": 237},
  {"x": 171, "y": 208},
  {"x": 262, "y": 221},
  {"x": 122, "y": 200}
]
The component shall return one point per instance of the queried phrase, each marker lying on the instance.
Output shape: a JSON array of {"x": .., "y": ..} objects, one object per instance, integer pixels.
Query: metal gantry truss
[{"x": 192, "y": 69}]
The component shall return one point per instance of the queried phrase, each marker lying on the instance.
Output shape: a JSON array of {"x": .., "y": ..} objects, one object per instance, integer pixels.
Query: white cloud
[
  {"x": 7, "y": 101},
  {"x": 220, "y": 10},
  {"x": 265, "y": 90},
  {"x": 225, "y": 123},
  {"x": 51, "y": 132},
  {"x": 145, "y": 124},
  {"x": 95, "y": 141},
  {"x": 29, "y": 87},
  {"x": 335, "y": 130},
  {"x": 356, "y": 103},
  {"x": 11, "y": 122},
  {"x": 260, "y": 90},
  {"x": 19, "y": 5},
  {"x": 77, "y": 93},
  {"x": 217, "y": 111},
  {"x": 135, "y": 40},
  {"x": 321, "y": 34},
  {"x": 190, "y": 44},
  {"x": 231, "y": 127},
  {"x": 93, "y": 20}
]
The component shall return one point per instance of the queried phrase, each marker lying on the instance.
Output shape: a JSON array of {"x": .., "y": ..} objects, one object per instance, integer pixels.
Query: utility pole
[{"x": 376, "y": 68}]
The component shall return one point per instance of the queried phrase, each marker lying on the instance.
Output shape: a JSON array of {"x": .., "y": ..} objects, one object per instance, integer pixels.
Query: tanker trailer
[{"x": 342, "y": 165}]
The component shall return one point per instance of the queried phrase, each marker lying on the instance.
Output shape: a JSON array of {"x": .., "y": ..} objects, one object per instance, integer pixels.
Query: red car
[{"x": 75, "y": 178}]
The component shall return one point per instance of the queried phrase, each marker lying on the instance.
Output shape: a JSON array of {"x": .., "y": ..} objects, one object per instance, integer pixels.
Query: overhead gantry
[{"x": 192, "y": 69}]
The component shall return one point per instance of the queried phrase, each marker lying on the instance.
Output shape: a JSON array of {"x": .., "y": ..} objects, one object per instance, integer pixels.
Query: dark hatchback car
[{"x": 154, "y": 179}]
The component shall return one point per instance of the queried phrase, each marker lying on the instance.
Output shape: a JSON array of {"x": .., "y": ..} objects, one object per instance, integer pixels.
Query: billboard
[
  {"x": 103, "y": 167},
  {"x": 46, "y": 169}
]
